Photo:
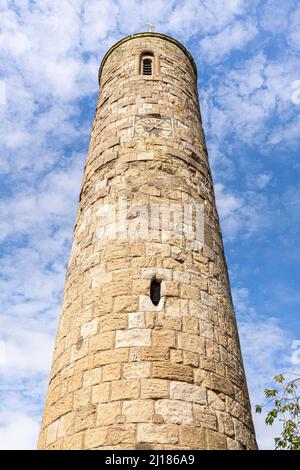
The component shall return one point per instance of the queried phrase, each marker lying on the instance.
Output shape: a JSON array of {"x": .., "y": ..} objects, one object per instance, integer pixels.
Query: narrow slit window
[
  {"x": 147, "y": 66},
  {"x": 155, "y": 292}
]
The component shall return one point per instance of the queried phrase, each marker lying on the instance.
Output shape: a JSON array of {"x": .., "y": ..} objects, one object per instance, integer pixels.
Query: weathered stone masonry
[{"x": 127, "y": 374}]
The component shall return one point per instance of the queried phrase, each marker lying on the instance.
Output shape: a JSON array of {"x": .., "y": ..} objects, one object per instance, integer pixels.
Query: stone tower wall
[{"x": 127, "y": 374}]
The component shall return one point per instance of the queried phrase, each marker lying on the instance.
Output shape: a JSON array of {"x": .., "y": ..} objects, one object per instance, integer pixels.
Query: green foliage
[{"x": 285, "y": 403}]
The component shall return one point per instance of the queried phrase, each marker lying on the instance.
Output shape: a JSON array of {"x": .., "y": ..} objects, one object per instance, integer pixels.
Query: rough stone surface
[{"x": 128, "y": 374}]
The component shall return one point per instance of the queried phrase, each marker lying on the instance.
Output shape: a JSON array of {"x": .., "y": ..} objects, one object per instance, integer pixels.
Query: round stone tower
[{"x": 147, "y": 354}]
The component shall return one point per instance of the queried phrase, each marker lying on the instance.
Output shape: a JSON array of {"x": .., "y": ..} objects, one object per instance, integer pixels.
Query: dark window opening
[
  {"x": 155, "y": 292},
  {"x": 147, "y": 67}
]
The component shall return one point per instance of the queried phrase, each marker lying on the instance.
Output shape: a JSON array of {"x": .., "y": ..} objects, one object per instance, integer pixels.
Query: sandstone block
[
  {"x": 191, "y": 359},
  {"x": 164, "y": 339},
  {"x": 138, "y": 411},
  {"x": 113, "y": 321},
  {"x": 52, "y": 432},
  {"x": 215, "y": 440},
  {"x": 134, "y": 337},
  {"x": 85, "y": 417},
  {"x": 174, "y": 411},
  {"x": 188, "y": 392},
  {"x": 176, "y": 356},
  {"x": 191, "y": 342},
  {"x": 107, "y": 413},
  {"x": 89, "y": 328},
  {"x": 82, "y": 397},
  {"x": 136, "y": 370},
  {"x": 102, "y": 358},
  {"x": 216, "y": 400},
  {"x": 136, "y": 320},
  {"x": 172, "y": 371},
  {"x": 95, "y": 437},
  {"x": 111, "y": 372},
  {"x": 92, "y": 377},
  {"x": 190, "y": 324},
  {"x": 125, "y": 389},
  {"x": 204, "y": 418},
  {"x": 155, "y": 354},
  {"x": 125, "y": 303},
  {"x": 157, "y": 433},
  {"x": 73, "y": 442},
  {"x": 154, "y": 388},
  {"x": 102, "y": 341},
  {"x": 220, "y": 384},
  {"x": 100, "y": 393},
  {"x": 192, "y": 437}
]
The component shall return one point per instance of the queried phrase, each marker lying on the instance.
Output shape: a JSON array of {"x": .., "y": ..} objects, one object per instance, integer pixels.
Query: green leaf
[
  {"x": 270, "y": 392},
  {"x": 279, "y": 378}
]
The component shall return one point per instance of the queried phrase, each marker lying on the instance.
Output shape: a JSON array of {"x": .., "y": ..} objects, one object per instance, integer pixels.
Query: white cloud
[
  {"x": 18, "y": 431},
  {"x": 293, "y": 33},
  {"x": 235, "y": 36},
  {"x": 26, "y": 351},
  {"x": 275, "y": 15},
  {"x": 241, "y": 214},
  {"x": 190, "y": 17}
]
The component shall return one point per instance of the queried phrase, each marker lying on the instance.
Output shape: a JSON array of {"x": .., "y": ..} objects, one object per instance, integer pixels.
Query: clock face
[{"x": 153, "y": 127}]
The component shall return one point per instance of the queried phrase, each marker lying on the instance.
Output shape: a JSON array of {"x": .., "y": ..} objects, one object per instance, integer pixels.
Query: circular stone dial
[{"x": 157, "y": 127}]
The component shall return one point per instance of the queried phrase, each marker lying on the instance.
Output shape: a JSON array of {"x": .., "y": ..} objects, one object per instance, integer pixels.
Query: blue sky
[{"x": 248, "y": 59}]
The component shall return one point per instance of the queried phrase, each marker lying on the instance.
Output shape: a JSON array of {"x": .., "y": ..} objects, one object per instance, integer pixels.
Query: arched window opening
[
  {"x": 147, "y": 66},
  {"x": 155, "y": 292},
  {"x": 147, "y": 63}
]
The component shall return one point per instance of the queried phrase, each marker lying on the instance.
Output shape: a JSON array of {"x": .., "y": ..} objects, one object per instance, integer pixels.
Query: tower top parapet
[{"x": 148, "y": 34}]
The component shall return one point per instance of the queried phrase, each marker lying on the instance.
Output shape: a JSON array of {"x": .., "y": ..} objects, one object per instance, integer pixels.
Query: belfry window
[
  {"x": 155, "y": 291},
  {"x": 147, "y": 67},
  {"x": 147, "y": 63}
]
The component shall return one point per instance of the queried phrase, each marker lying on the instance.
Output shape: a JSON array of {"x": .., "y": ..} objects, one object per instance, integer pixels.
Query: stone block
[
  {"x": 134, "y": 337},
  {"x": 190, "y": 324},
  {"x": 136, "y": 320},
  {"x": 89, "y": 328},
  {"x": 85, "y": 417},
  {"x": 113, "y": 321},
  {"x": 170, "y": 371},
  {"x": 100, "y": 393},
  {"x": 52, "y": 432},
  {"x": 191, "y": 342},
  {"x": 220, "y": 384},
  {"x": 102, "y": 358},
  {"x": 157, "y": 433},
  {"x": 215, "y": 440},
  {"x": 204, "y": 418},
  {"x": 95, "y": 437},
  {"x": 125, "y": 390},
  {"x": 154, "y": 388},
  {"x": 107, "y": 413},
  {"x": 74, "y": 442},
  {"x": 102, "y": 341},
  {"x": 111, "y": 372},
  {"x": 155, "y": 354},
  {"x": 174, "y": 411},
  {"x": 188, "y": 392},
  {"x": 137, "y": 370},
  {"x": 192, "y": 437},
  {"x": 164, "y": 339},
  {"x": 82, "y": 397},
  {"x": 138, "y": 411},
  {"x": 92, "y": 377}
]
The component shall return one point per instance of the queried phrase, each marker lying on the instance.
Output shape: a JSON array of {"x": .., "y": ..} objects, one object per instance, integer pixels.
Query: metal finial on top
[{"x": 151, "y": 26}]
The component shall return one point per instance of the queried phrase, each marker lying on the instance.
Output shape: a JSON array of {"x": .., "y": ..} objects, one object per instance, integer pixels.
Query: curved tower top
[{"x": 145, "y": 35}]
